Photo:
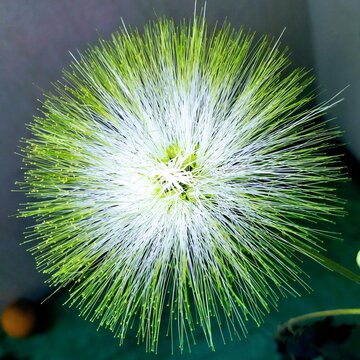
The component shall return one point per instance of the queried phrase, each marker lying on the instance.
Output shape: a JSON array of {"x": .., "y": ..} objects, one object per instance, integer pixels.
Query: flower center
[{"x": 174, "y": 175}]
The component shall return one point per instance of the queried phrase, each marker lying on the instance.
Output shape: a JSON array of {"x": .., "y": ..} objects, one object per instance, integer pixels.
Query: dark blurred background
[{"x": 36, "y": 37}]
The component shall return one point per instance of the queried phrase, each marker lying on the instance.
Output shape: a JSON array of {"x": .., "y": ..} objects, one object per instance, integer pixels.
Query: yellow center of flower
[{"x": 175, "y": 173}]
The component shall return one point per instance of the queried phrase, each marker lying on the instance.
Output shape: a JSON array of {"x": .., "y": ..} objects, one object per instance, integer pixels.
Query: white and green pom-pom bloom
[{"x": 175, "y": 175}]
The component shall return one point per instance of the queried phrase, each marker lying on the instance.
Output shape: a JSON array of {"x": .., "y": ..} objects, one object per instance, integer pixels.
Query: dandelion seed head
[{"x": 175, "y": 176}]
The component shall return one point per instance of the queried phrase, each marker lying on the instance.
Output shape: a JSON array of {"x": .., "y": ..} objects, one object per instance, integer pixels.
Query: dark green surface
[{"x": 70, "y": 337}]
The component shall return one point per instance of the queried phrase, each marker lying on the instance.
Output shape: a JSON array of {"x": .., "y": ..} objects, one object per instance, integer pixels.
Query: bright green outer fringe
[{"x": 174, "y": 177}]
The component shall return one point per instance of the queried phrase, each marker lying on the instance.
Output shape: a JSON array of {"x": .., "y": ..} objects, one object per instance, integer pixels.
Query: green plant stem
[
  {"x": 336, "y": 312},
  {"x": 328, "y": 263}
]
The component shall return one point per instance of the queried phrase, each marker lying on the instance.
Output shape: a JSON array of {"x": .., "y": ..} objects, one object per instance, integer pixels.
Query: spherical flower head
[{"x": 174, "y": 176}]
